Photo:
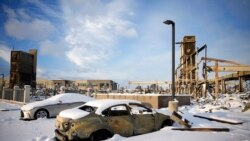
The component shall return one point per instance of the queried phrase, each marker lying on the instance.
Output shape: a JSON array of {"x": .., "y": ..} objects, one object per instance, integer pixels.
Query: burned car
[
  {"x": 52, "y": 106},
  {"x": 245, "y": 96},
  {"x": 101, "y": 119}
]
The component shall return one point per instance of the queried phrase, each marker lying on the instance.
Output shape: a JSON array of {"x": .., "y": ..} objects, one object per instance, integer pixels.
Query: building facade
[
  {"x": 23, "y": 68},
  {"x": 85, "y": 85},
  {"x": 96, "y": 85}
]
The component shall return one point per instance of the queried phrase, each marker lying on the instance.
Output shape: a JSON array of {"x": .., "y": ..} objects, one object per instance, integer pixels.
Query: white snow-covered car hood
[{"x": 74, "y": 113}]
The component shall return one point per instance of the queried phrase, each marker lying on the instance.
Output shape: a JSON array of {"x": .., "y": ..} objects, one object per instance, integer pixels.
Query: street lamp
[
  {"x": 169, "y": 22},
  {"x": 2, "y": 81}
]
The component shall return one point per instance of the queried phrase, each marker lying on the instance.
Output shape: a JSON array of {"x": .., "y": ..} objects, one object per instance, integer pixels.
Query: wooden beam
[
  {"x": 216, "y": 79},
  {"x": 149, "y": 82},
  {"x": 220, "y": 60},
  {"x": 203, "y": 129},
  {"x": 198, "y": 51},
  {"x": 219, "y": 120},
  {"x": 178, "y": 119},
  {"x": 231, "y": 68}
]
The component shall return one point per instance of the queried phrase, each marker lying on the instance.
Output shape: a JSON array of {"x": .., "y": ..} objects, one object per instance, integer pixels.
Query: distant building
[
  {"x": 4, "y": 83},
  {"x": 23, "y": 68},
  {"x": 43, "y": 83},
  {"x": 96, "y": 84},
  {"x": 60, "y": 83}
]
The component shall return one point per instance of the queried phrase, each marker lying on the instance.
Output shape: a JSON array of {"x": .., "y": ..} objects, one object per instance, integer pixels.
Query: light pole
[
  {"x": 2, "y": 81},
  {"x": 168, "y": 22}
]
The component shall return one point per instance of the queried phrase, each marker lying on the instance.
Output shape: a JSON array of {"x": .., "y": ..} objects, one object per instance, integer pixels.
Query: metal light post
[
  {"x": 2, "y": 81},
  {"x": 168, "y": 22}
]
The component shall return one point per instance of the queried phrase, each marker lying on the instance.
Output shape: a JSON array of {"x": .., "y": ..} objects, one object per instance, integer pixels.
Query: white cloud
[
  {"x": 34, "y": 30},
  {"x": 20, "y": 26},
  {"x": 21, "y": 12},
  {"x": 10, "y": 12},
  {"x": 50, "y": 8},
  {"x": 41, "y": 72},
  {"x": 48, "y": 47},
  {"x": 5, "y": 53},
  {"x": 94, "y": 27}
]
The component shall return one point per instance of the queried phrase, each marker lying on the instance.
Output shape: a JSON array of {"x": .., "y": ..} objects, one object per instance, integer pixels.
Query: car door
[
  {"x": 64, "y": 103},
  {"x": 57, "y": 107},
  {"x": 143, "y": 118},
  {"x": 118, "y": 119}
]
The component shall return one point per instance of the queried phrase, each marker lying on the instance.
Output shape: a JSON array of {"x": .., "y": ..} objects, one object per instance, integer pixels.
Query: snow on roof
[
  {"x": 64, "y": 98},
  {"x": 70, "y": 97},
  {"x": 106, "y": 103}
]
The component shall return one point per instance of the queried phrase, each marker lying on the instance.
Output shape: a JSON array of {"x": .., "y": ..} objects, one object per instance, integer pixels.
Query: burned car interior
[
  {"x": 124, "y": 110},
  {"x": 87, "y": 108}
]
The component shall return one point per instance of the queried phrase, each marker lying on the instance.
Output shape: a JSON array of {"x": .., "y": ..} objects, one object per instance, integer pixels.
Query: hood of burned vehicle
[{"x": 74, "y": 113}]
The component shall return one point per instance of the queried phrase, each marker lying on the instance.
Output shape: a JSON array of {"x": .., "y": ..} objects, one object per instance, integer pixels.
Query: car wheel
[
  {"x": 100, "y": 135},
  {"x": 41, "y": 114}
]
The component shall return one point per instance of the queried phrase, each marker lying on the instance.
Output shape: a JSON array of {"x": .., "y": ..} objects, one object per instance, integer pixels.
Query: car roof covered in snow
[
  {"x": 106, "y": 103},
  {"x": 64, "y": 98},
  {"x": 71, "y": 97}
]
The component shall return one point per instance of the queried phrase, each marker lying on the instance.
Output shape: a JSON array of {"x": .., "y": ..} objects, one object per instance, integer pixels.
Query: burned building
[
  {"x": 187, "y": 76},
  {"x": 23, "y": 68}
]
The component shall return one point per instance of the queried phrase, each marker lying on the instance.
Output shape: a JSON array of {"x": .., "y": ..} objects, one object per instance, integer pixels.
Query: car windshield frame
[
  {"x": 88, "y": 108},
  {"x": 107, "y": 112},
  {"x": 149, "y": 110}
]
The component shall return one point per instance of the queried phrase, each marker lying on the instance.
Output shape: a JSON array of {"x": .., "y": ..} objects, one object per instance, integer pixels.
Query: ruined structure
[
  {"x": 23, "y": 68},
  {"x": 187, "y": 71}
]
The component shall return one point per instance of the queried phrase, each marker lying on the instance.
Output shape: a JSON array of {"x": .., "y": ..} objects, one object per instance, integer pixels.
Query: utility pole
[{"x": 206, "y": 73}]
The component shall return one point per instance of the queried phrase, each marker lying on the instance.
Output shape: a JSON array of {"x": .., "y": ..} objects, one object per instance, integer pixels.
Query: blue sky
[{"x": 119, "y": 39}]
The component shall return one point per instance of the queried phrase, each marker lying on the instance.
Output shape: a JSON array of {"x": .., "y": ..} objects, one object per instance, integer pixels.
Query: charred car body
[{"x": 100, "y": 119}]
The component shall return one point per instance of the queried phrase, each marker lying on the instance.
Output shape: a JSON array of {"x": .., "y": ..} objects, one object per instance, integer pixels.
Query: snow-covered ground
[
  {"x": 226, "y": 108},
  {"x": 13, "y": 129}
]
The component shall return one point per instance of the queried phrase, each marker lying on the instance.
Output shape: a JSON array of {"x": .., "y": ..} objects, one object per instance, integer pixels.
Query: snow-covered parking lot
[{"x": 13, "y": 129}]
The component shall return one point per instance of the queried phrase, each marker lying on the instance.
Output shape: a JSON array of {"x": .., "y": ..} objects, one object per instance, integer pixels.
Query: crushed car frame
[{"x": 101, "y": 119}]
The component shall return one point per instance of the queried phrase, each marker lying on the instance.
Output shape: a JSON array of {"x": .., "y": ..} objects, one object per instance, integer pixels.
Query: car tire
[
  {"x": 100, "y": 135},
  {"x": 42, "y": 113}
]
